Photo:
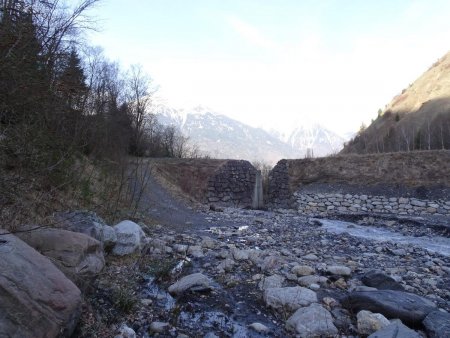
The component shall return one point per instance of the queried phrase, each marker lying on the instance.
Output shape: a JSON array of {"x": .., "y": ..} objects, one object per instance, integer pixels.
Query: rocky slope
[
  {"x": 418, "y": 118},
  {"x": 223, "y": 137}
]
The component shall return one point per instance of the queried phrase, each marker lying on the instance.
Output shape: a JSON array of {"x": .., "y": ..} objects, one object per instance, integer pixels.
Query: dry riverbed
[{"x": 272, "y": 274}]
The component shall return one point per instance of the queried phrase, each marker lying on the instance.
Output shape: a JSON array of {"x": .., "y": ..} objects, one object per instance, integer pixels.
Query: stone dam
[{"x": 409, "y": 183}]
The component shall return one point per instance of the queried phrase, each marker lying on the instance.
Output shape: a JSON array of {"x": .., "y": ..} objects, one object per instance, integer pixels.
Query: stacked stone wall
[
  {"x": 232, "y": 184},
  {"x": 396, "y": 172},
  {"x": 335, "y": 203},
  {"x": 279, "y": 194}
]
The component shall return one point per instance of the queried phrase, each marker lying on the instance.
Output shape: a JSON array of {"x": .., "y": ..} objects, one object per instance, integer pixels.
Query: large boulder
[
  {"x": 437, "y": 324},
  {"x": 312, "y": 321},
  {"x": 88, "y": 223},
  {"x": 79, "y": 256},
  {"x": 130, "y": 238},
  {"x": 408, "y": 307},
  {"x": 395, "y": 330},
  {"x": 37, "y": 299},
  {"x": 289, "y": 298},
  {"x": 381, "y": 281}
]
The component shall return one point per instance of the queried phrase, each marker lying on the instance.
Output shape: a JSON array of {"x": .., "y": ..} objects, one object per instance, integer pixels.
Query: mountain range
[{"x": 220, "y": 136}]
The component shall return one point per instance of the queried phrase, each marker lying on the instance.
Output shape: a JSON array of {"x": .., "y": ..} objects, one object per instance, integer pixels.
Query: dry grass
[
  {"x": 411, "y": 169},
  {"x": 186, "y": 178},
  {"x": 31, "y": 198}
]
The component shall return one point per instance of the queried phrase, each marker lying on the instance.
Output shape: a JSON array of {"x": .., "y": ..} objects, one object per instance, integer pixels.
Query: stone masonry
[
  {"x": 279, "y": 193},
  {"x": 346, "y": 203},
  {"x": 232, "y": 184}
]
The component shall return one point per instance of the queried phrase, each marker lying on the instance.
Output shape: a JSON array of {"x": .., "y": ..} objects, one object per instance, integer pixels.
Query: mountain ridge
[{"x": 221, "y": 136}]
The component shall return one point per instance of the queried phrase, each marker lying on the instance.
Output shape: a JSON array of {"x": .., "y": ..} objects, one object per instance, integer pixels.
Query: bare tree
[{"x": 140, "y": 99}]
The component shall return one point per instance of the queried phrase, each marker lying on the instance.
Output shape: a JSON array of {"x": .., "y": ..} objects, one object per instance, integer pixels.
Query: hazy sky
[{"x": 278, "y": 63}]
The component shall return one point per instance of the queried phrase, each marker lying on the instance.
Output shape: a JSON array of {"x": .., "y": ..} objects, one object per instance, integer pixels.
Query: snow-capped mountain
[
  {"x": 223, "y": 137},
  {"x": 321, "y": 141}
]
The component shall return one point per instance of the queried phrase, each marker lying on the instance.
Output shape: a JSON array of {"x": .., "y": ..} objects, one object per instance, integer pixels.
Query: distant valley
[{"x": 220, "y": 136}]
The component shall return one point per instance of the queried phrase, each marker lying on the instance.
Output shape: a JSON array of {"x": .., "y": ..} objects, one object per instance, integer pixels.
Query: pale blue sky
[{"x": 278, "y": 63}]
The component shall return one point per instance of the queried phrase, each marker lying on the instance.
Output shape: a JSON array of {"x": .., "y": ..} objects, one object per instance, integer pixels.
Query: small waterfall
[{"x": 258, "y": 199}]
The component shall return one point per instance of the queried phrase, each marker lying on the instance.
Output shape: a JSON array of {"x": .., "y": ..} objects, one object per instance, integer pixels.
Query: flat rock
[
  {"x": 408, "y": 307},
  {"x": 79, "y": 256},
  {"x": 312, "y": 321},
  {"x": 197, "y": 280},
  {"x": 130, "y": 238},
  {"x": 368, "y": 322},
  {"x": 395, "y": 330},
  {"x": 289, "y": 298},
  {"x": 37, "y": 299},
  {"x": 437, "y": 324},
  {"x": 381, "y": 281}
]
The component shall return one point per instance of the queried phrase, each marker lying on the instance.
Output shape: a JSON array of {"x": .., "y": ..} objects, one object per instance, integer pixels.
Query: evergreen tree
[
  {"x": 71, "y": 84},
  {"x": 23, "y": 85}
]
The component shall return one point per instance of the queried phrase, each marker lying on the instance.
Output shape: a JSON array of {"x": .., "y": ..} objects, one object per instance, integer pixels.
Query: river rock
[
  {"x": 130, "y": 238},
  {"x": 437, "y": 324},
  {"x": 88, "y": 223},
  {"x": 208, "y": 243},
  {"x": 196, "y": 281},
  {"x": 309, "y": 280},
  {"x": 369, "y": 322},
  {"x": 381, "y": 281},
  {"x": 226, "y": 265},
  {"x": 37, "y": 299},
  {"x": 79, "y": 256},
  {"x": 339, "y": 270},
  {"x": 311, "y": 257},
  {"x": 258, "y": 327},
  {"x": 289, "y": 298},
  {"x": 408, "y": 307},
  {"x": 312, "y": 321},
  {"x": 395, "y": 330},
  {"x": 240, "y": 255},
  {"x": 196, "y": 251},
  {"x": 303, "y": 270},
  {"x": 275, "y": 281},
  {"x": 126, "y": 332},
  {"x": 270, "y": 263},
  {"x": 158, "y": 327}
]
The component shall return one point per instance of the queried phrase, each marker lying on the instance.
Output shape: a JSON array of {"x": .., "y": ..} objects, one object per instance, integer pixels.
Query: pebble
[
  {"x": 260, "y": 328},
  {"x": 159, "y": 327}
]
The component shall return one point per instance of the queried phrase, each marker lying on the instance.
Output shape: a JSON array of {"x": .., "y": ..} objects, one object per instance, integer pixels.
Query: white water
[{"x": 435, "y": 244}]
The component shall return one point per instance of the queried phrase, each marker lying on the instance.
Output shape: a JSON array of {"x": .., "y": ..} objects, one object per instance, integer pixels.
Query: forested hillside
[
  {"x": 416, "y": 119},
  {"x": 68, "y": 116}
]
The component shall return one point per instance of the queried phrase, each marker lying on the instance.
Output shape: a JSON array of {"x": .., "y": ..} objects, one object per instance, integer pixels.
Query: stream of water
[{"x": 435, "y": 244}]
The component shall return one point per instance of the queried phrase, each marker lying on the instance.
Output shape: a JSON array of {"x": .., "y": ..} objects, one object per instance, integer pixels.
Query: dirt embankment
[
  {"x": 412, "y": 169},
  {"x": 421, "y": 174},
  {"x": 186, "y": 176}
]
